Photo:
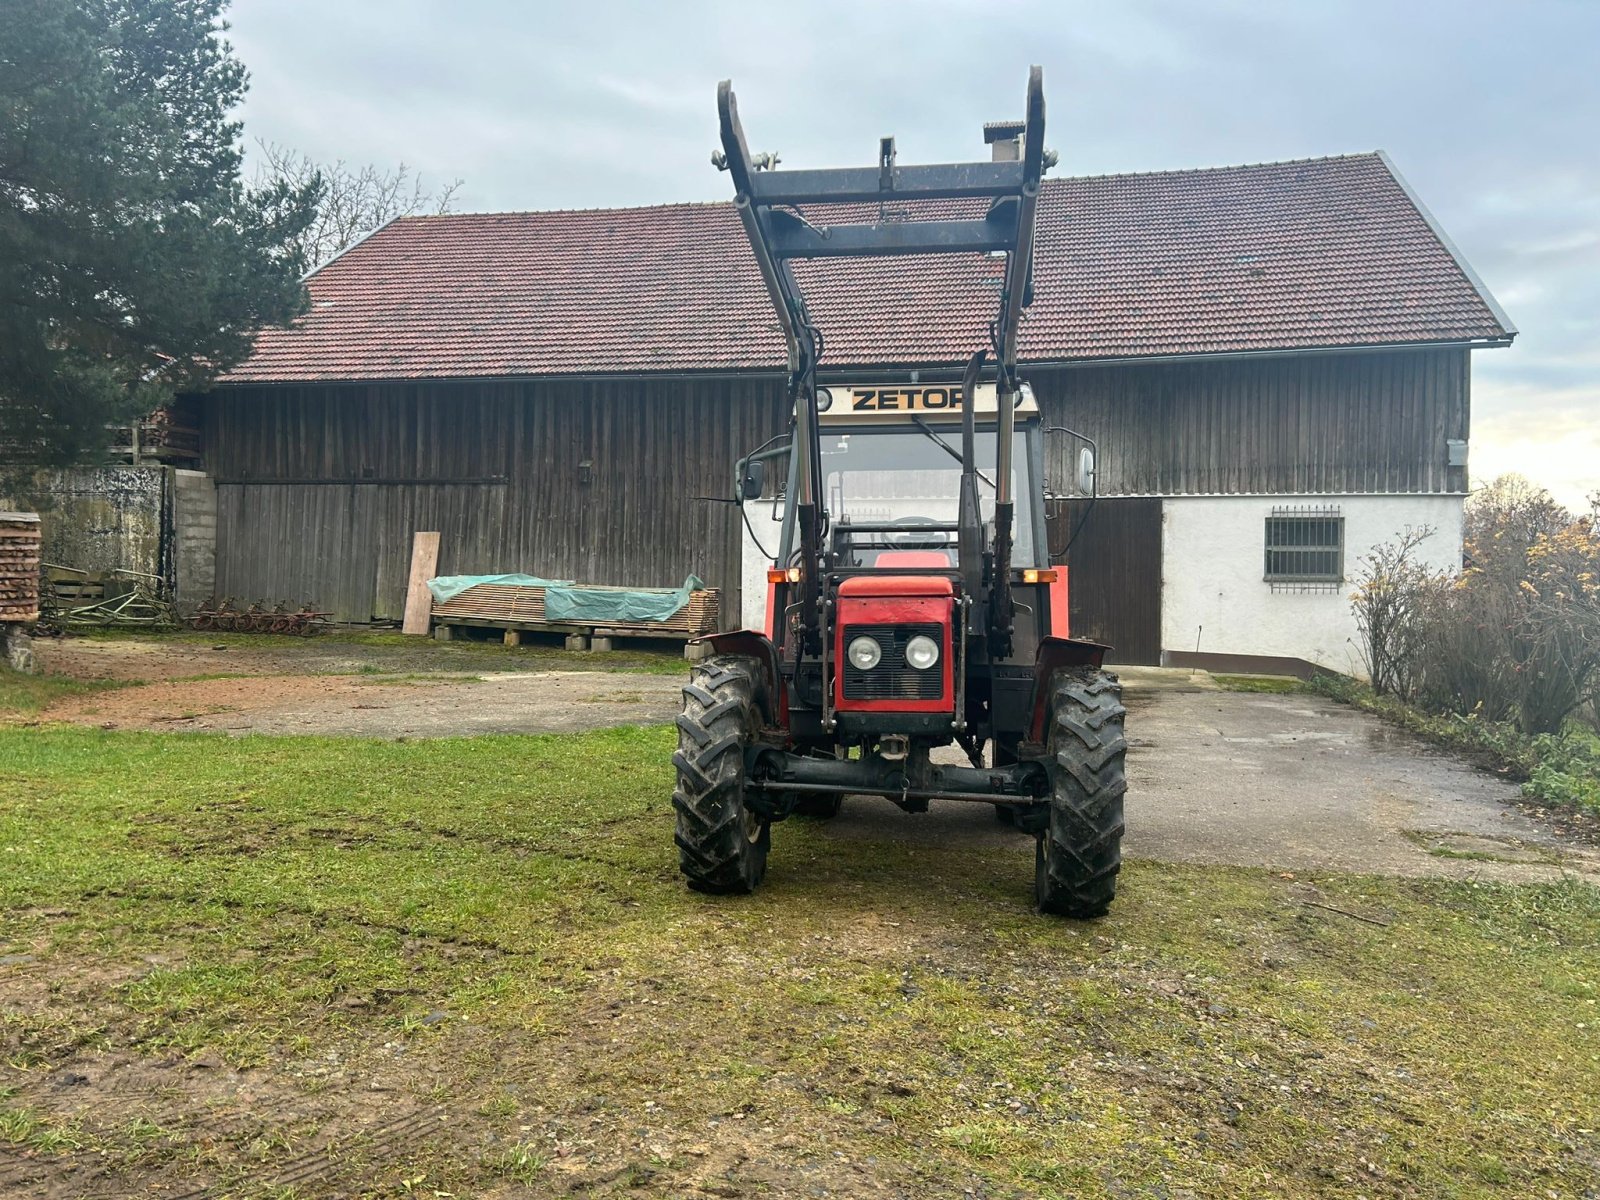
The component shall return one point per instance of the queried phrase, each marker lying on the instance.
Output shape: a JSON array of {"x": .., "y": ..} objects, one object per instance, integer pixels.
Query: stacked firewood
[{"x": 19, "y": 567}]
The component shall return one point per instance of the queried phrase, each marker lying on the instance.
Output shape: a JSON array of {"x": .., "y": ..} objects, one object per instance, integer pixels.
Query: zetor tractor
[{"x": 911, "y": 604}]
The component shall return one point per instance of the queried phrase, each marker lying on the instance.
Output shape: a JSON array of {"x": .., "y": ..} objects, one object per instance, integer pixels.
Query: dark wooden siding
[
  {"x": 1332, "y": 424},
  {"x": 321, "y": 488},
  {"x": 1114, "y": 575}
]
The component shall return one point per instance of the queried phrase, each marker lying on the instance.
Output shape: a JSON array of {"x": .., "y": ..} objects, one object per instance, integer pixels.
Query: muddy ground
[
  {"x": 855, "y": 1029},
  {"x": 327, "y": 686}
]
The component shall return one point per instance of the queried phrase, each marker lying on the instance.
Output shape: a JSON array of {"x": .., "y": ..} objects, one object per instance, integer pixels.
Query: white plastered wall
[
  {"x": 1213, "y": 595},
  {"x": 753, "y": 563}
]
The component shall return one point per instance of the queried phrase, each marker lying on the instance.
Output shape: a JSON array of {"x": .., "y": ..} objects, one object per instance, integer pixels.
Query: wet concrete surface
[{"x": 1293, "y": 781}]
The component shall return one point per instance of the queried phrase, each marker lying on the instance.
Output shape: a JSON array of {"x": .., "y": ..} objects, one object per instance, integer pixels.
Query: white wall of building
[
  {"x": 1214, "y": 598},
  {"x": 753, "y": 563}
]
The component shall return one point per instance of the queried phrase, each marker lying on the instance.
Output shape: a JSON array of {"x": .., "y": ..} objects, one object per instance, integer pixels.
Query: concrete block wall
[{"x": 194, "y": 538}]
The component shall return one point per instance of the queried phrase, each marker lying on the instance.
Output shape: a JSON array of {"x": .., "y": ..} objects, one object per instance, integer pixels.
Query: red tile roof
[{"x": 1279, "y": 256}]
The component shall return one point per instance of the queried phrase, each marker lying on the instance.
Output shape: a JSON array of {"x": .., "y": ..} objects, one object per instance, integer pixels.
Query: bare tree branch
[{"x": 354, "y": 201}]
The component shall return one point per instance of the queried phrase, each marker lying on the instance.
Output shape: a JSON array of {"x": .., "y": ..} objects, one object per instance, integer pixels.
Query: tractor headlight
[
  {"x": 922, "y": 652},
  {"x": 865, "y": 653}
]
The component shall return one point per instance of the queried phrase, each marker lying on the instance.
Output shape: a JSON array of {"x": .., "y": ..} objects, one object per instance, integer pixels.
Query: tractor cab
[
  {"x": 905, "y": 615},
  {"x": 891, "y": 466}
]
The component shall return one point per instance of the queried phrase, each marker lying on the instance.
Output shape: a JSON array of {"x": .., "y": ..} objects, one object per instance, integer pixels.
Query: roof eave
[{"x": 1477, "y": 283}]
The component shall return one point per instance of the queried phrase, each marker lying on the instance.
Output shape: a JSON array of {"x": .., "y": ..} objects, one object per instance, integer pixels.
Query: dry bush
[
  {"x": 1516, "y": 636},
  {"x": 1393, "y": 596}
]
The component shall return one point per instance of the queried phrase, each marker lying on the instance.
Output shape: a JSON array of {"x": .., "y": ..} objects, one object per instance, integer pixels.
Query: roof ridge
[
  {"x": 561, "y": 212},
  {"x": 1375, "y": 155}
]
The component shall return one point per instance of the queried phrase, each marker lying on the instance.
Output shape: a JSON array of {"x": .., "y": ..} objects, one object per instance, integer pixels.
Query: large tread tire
[
  {"x": 722, "y": 843},
  {"x": 1080, "y": 853}
]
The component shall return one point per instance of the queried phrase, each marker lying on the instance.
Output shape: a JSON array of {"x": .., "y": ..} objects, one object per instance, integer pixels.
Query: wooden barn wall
[
  {"x": 320, "y": 488},
  {"x": 1335, "y": 423}
]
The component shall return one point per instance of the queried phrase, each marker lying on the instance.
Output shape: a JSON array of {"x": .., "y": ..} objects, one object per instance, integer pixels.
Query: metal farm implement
[
  {"x": 912, "y": 604},
  {"x": 258, "y": 618},
  {"x": 77, "y": 599}
]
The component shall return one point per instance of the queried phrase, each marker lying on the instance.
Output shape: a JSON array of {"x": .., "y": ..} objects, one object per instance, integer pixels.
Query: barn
[{"x": 1274, "y": 360}]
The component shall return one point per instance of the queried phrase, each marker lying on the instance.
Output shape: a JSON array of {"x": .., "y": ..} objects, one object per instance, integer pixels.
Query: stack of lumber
[
  {"x": 19, "y": 567},
  {"x": 521, "y": 607}
]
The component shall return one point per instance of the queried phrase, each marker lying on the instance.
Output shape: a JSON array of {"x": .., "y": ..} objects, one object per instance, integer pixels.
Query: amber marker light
[
  {"x": 1039, "y": 575},
  {"x": 782, "y": 575}
]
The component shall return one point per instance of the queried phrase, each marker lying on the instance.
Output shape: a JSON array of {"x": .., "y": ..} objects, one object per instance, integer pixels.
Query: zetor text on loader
[{"x": 911, "y": 604}]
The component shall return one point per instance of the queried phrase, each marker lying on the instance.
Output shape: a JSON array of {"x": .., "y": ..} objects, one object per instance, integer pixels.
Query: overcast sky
[{"x": 1490, "y": 109}]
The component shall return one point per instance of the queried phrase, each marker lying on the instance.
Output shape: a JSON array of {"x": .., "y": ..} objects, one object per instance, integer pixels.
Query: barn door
[{"x": 1114, "y": 575}]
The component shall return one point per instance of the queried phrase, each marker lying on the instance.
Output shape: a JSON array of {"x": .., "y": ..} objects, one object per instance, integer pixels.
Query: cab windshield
[{"x": 905, "y": 477}]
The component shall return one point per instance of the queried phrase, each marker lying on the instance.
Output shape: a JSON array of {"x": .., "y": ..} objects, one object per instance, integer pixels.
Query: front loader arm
[
  {"x": 768, "y": 206},
  {"x": 803, "y": 344},
  {"x": 1016, "y": 295}
]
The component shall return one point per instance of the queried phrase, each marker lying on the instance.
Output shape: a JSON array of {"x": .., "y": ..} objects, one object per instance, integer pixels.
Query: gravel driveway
[{"x": 1291, "y": 781}]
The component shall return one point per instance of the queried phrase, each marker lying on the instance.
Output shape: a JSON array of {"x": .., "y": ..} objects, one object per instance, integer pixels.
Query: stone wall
[{"x": 154, "y": 519}]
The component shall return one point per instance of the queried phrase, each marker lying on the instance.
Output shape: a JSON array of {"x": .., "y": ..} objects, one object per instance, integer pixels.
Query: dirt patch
[
  {"x": 184, "y": 655},
  {"x": 377, "y": 706},
  {"x": 192, "y": 1126},
  {"x": 196, "y": 702},
  {"x": 137, "y": 660},
  {"x": 380, "y": 687}
]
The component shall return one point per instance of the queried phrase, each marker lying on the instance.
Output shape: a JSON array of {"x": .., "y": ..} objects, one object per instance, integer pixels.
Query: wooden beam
[{"x": 419, "y": 600}]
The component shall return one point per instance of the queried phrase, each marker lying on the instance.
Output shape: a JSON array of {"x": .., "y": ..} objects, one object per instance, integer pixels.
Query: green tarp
[{"x": 567, "y": 601}]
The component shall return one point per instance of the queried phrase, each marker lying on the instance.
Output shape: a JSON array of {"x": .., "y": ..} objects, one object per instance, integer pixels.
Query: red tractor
[{"x": 911, "y": 603}]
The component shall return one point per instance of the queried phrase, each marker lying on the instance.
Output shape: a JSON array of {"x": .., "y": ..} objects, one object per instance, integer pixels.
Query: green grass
[
  {"x": 26, "y": 695},
  {"x": 495, "y": 927},
  {"x": 1269, "y": 684}
]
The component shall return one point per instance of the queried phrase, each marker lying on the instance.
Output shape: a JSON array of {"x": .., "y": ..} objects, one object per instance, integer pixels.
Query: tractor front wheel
[
  {"x": 722, "y": 841},
  {"x": 1080, "y": 853}
]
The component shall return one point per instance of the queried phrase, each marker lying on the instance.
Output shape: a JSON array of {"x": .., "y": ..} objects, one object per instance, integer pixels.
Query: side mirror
[
  {"x": 1086, "y": 471},
  {"x": 752, "y": 480},
  {"x": 1080, "y": 468}
]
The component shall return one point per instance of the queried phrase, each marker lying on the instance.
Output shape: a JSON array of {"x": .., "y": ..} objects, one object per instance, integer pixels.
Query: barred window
[{"x": 1305, "y": 546}]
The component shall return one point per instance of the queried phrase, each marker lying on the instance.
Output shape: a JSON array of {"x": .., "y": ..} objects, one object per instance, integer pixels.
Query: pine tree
[{"x": 134, "y": 261}]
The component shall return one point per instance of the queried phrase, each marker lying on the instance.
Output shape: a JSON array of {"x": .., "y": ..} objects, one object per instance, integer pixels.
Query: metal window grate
[{"x": 1305, "y": 546}]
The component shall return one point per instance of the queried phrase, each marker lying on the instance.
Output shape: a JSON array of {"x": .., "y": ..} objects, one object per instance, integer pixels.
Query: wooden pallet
[{"x": 508, "y": 606}]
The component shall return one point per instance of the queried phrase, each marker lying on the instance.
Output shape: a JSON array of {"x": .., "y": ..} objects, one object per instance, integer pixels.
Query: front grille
[{"x": 892, "y": 679}]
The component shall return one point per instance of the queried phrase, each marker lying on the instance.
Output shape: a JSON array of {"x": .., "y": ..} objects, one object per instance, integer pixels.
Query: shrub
[
  {"x": 1515, "y": 636},
  {"x": 1392, "y": 596},
  {"x": 1520, "y": 635}
]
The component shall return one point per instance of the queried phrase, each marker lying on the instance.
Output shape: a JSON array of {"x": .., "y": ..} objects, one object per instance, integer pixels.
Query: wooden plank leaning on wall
[{"x": 424, "y": 565}]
